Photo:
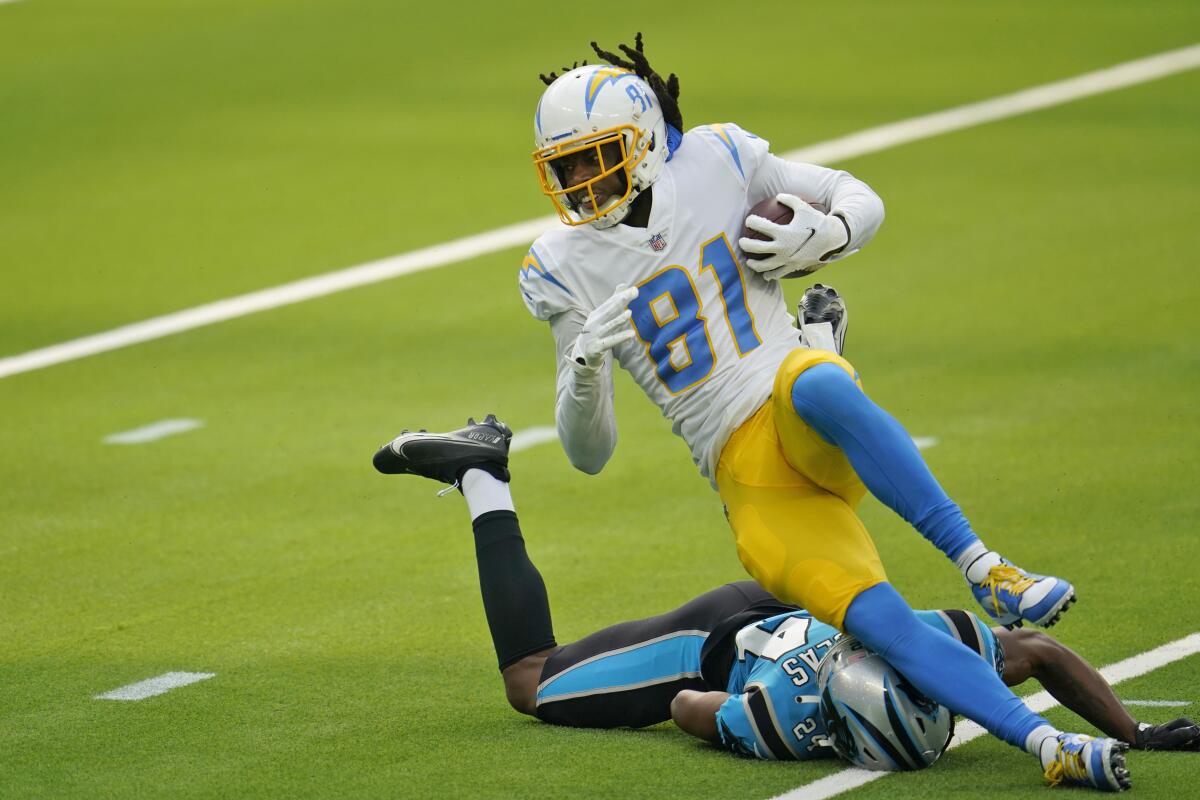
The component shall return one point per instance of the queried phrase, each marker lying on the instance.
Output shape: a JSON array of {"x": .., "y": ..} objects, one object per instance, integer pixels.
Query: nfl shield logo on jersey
[{"x": 658, "y": 243}]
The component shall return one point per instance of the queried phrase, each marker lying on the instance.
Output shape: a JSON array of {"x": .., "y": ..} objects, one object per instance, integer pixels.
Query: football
[{"x": 775, "y": 211}]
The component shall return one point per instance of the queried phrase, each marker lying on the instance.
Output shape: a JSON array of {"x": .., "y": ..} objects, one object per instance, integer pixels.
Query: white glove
[
  {"x": 604, "y": 329},
  {"x": 803, "y": 245}
]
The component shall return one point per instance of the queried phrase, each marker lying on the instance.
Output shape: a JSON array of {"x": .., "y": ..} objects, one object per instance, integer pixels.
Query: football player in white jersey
[{"x": 650, "y": 270}]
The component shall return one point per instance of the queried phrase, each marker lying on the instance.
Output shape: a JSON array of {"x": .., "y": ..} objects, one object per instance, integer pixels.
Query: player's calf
[{"x": 475, "y": 458}]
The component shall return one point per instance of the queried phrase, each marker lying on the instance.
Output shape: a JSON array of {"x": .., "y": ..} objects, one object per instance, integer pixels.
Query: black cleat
[
  {"x": 820, "y": 304},
  {"x": 1179, "y": 734},
  {"x": 446, "y": 456}
]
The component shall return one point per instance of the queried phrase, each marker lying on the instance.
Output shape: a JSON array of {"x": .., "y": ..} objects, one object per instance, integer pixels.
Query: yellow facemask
[{"x": 568, "y": 200}]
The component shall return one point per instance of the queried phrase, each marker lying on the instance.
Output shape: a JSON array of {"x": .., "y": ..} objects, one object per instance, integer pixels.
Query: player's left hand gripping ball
[{"x": 804, "y": 244}]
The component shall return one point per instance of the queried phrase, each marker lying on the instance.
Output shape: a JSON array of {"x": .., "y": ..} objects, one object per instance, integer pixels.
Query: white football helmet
[
  {"x": 581, "y": 112},
  {"x": 874, "y": 718}
]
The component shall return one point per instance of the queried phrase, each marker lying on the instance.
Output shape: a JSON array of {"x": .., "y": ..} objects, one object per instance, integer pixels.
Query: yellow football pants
[{"x": 790, "y": 498}]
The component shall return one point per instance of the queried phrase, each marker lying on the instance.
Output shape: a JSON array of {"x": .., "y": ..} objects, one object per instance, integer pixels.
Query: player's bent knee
[
  {"x": 822, "y": 392},
  {"x": 520, "y": 699},
  {"x": 521, "y": 682},
  {"x": 801, "y": 362}
]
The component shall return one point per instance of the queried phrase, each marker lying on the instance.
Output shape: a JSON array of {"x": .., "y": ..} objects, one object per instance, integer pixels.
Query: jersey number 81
[{"x": 668, "y": 319}]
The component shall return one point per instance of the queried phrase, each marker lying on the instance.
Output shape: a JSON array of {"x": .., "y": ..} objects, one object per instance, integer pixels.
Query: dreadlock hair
[
  {"x": 667, "y": 91},
  {"x": 553, "y": 76}
]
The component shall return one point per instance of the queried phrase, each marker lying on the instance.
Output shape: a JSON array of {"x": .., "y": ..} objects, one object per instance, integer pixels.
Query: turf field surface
[{"x": 1030, "y": 302}]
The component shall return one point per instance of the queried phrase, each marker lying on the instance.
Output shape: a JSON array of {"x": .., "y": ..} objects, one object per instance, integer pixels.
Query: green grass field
[{"x": 1031, "y": 302}]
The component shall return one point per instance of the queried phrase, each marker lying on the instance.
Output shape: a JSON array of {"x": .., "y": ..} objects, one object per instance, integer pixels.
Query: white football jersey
[{"x": 711, "y": 332}]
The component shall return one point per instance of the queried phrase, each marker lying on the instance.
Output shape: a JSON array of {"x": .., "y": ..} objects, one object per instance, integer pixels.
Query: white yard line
[
  {"x": 869, "y": 141},
  {"x": 1120, "y": 76},
  {"x": 532, "y": 437},
  {"x": 2, "y": 2},
  {"x": 852, "y": 778},
  {"x": 154, "y": 431},
  {"x": 1157, "y": 703},
  {"x": 265, "y": 299},
  {"x": 925, "y": 442},
  {"x": 155, "y": 686}
]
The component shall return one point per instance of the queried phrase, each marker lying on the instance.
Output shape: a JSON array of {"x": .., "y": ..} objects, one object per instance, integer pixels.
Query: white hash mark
[
  {"x": 155, "y": 686},
  {"x": 154, "y": 431}
]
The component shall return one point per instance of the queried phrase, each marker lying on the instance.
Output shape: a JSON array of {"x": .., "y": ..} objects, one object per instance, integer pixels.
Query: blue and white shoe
[
  {"x": 1081, "y": 760},
  {"x": 1012, "y": 596}
]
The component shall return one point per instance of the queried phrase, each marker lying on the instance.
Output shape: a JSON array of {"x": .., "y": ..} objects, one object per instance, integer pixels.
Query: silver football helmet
[{"x": 874, "y": 718}]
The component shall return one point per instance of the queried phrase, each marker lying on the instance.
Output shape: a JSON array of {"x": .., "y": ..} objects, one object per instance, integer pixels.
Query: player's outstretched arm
[
  {"x": 583, "y": 405},
  {"x": 1078, "y": 686},
  {"x": 1072, "y": 681},
  {"x": 696, "y": 713},
  {"x": 583, "y": 413}
]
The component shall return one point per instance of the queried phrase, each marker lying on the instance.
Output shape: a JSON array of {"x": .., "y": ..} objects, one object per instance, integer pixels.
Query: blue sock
[
  {"x": 939, "y": 667},
  {"x": 883, "y": 455}
]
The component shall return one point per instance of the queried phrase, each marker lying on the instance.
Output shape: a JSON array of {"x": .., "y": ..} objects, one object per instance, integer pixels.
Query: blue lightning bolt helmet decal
[{"x": 602, "y": 77}]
